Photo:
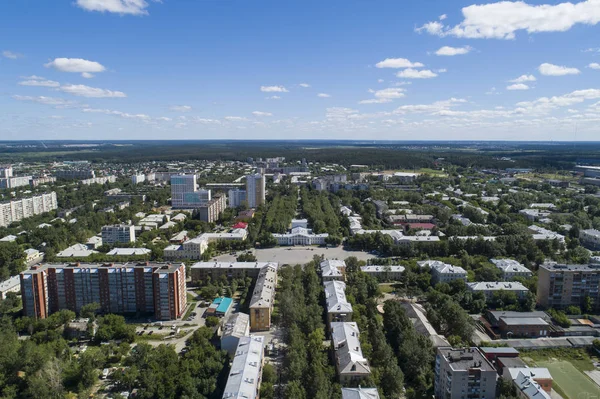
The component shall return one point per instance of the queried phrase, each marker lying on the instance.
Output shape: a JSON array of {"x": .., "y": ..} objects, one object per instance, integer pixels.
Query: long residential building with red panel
[{"x": 129, "y": 288}]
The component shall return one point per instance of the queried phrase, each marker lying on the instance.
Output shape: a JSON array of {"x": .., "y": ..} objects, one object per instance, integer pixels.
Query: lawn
[
  {"x": 572, "y": 382},
  {"x": 567, "y": 367}
]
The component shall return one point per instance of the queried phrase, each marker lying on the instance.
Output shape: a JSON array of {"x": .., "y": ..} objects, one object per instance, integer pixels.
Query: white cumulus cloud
[
  {"x": 594, "y": 65},
  {"x": 87, "y": 91},
  {"x": 76, "y": 65},
  {"x": 450, "y": 51},
  {"x": 416, "y": 74},
  {"x": 117, "y": 113},
  {"x": 53, "y": 101},
  {"x": 557, "y": 70},
  {"x": 398, "y": 63},
  {"x": 273, "y": 89},
  {"x": 323, "y": 95},
  {"x": 501, "y": 20},
  {"x": 11, "y": 55},
  {"x": 523, "y": 78},
  {"x": 260, "y": 113},
  {"x": 133, "y": 7},
  {"x": 304, "y": 85},
  {"x": 274, "y": 98},
  {"x": 181, "y": 108},
  {"x": 38, "y": 81},
  {"x": 518, "y": 86},
  {"x": 376, "y": 101}
]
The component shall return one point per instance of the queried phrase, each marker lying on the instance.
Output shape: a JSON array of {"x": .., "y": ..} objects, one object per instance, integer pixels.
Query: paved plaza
[{"x": 299, "y": 255}]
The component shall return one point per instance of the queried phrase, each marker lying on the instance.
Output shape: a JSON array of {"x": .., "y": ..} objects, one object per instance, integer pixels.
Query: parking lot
[{"x": 299, "y": 255}]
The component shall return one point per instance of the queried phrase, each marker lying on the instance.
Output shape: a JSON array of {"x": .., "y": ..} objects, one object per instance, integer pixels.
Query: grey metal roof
[
  {"x": 237, "y": 326},
  {"x": 264, "y": 289},
  {"x": 360, "y": 393},
  {"x": 335, "y": 296},
  {"x": 246, "y": 369}
]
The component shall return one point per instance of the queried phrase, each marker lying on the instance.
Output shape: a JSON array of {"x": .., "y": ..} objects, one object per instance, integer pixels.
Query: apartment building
[
  {"x": 337, "y": 306},
  {"x": 12, "y": 284},
  {"x": 211, "y": 210},
  {"x": 510, "y": 269},
  {"x": 384, "y": 273},
  {"x": 157, "y": 288},
  {"x": 201, "y": 271},
  {"x": 246, "y": 369},
  {"x": 190, "y": 249},
  {"x": 255, "y": 190},
  {"x": 17, "y": 210},
  {"x": 15, "y": 181},
  {"x": 590, "y": 239},
  {"x": 6, "y": 171},
  {"x": 490, "y": 287},
  {"x": 237, "y": 327},
  {"x": 333, "y": 269},
  {"x": 38, "y": 181},
  {"x": 185, "y": 194},
  {"x": 236, "y": 197},
  {"x": 263, "y": 298},
  {"x": 560, "y": 286},
  {"x": 350, "y": 364},
  {"x": 442, "y": 272},
  {"x": 118, "y": 233},
  {"x": 137, "y": 179},
  {"x": 463, "y": 373},
  {"x": 99, "y": 180}
]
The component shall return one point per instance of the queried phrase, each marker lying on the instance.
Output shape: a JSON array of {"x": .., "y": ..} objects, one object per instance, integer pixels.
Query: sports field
[{"x": 571, "y": 383}]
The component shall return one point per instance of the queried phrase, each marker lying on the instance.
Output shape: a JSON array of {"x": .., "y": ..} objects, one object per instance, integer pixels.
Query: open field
[
  {"x": 567, "y": 369},
  {"x": 573, "y": 383}
]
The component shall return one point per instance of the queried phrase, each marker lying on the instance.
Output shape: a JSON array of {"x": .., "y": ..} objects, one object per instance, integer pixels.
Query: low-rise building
[
  {"x": 13, "y": 284},
  {"x": 338, "y": 308},
  {"x": 129, "y": 252},
  {"x": 33, "y": 256},
  {"x": 301, "y": 236},
  {"x": 444, "y": 273},
  {"x": 237, "y": 327},
  {"x": 528, "y": 387},
  {"x": 511, "y": 268},
  {"x": 534, "y": 214},
  {"x": 118, "y": 233},
  {"x": 76, "y": 251},
  {"x": 490, "y": 287},
  {"x": 590, "y": 239},
  {"x": 263, "y": 298},
  {"x": 202, "y": 271},
  {"x": 510, "y": 324},
  {"x": 246, "y": 369},
  {"x": 350, "y": 364},
  {"x": 384, "y": 272},
  {"x": 333, "y": 269},
  {"x": 360, "y": 393},
  {"x": 462, "y": 373}
]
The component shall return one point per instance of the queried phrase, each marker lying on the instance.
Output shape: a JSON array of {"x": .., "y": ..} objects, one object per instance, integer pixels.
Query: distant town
[{"x": 297, "y": 277}]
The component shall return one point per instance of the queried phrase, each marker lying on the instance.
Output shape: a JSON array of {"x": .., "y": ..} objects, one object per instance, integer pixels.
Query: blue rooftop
[{"x": 223, "y": 304}]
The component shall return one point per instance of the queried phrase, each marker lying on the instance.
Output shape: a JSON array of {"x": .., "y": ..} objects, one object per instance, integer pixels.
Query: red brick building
[{"x": 127, "y": 288}]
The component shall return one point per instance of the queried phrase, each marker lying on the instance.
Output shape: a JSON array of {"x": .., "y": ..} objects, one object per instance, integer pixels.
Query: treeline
[
  {"x": 321, "y": 210},
  {"x": 362, "y": 292},
  {"x": 307, "y": 372},
  {"x": 281, "y": 210},
  {"x": 521, "y": 247}
]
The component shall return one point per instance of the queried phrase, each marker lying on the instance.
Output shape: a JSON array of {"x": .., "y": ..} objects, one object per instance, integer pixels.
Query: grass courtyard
[{"x": 567, "y": 368}]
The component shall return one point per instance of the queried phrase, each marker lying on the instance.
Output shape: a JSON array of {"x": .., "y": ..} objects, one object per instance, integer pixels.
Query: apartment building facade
[
  {"x": 211, "y": 210},
  {"x": 511, "y": 268},
  {"x": 118, "y": 233},
  {"x": 17, "y": 210},
  {"x": 75, "y": 174},
  {"x": 560, "y": 286},
  {"x": 255, "y": 190},
  {"x": 236, "y": 197},
  {"x": 263, "y": 298},
  {"x": 462, "y": 374},
  {"x": 123, "y": 288}
]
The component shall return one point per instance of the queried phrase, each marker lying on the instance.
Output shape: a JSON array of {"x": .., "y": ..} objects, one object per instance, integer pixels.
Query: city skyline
[{"x": 137, "y": 69}]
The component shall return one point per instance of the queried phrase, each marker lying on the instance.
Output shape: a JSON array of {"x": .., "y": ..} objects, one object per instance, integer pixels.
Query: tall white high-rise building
[
  {"x": 118, "y": 233},
  {"x": 6, "y": 171},
  {"x": 138, "y": 178},
  {"x": 255, "y": 190},
  {"x": 184, "y": 193}
]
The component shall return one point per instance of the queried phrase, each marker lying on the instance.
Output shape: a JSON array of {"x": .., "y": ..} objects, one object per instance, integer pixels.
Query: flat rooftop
[{"x": 465, "y": 359}]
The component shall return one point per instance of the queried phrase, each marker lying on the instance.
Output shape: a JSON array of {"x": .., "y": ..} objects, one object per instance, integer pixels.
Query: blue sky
[{"x": 206, "y": 69}]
